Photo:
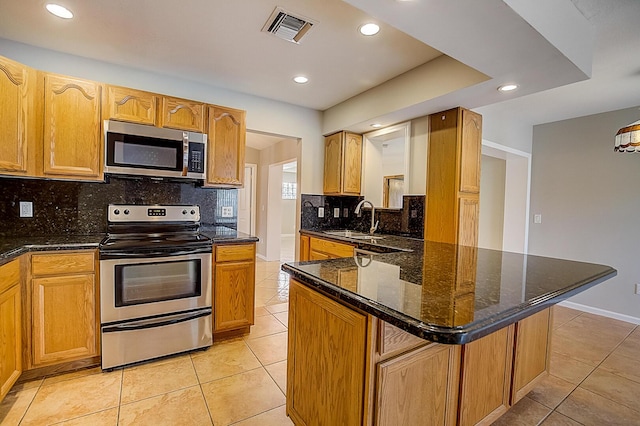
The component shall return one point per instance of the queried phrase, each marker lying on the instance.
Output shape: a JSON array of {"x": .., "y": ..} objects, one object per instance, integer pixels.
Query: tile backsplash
[
  {"x": 338, "y": 213},
  {"x": 79, "y": 208}
]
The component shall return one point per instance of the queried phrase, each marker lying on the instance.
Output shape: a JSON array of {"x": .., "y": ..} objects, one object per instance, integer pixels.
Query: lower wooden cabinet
[
  {"x": 314, "y": 248},
  {"x": 64, "y": 317},
  {"x": 346, "y": 367},
  {"x": 326, "y": 360},
  {"x": 10, "y": 326},
  {"x": 233, "y": 287}
]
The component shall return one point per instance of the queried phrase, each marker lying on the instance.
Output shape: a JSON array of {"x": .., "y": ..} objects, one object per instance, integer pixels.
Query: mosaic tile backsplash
[{"x": 79, "y": 208}]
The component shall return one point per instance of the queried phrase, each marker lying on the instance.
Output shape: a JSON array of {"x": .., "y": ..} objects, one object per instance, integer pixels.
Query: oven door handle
[
  {"x": 125, "y": 254},
  {"x": 157, "y": 322}
]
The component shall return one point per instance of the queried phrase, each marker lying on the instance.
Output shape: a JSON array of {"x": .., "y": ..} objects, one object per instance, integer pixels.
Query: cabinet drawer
[
  {"x": 392, "y": 340},
  {"x": 63, "y": 263},
  {"x": 331, "y": 247},
  {"x": 236, "y": 252},
  {"x": 9, "y": 275}
]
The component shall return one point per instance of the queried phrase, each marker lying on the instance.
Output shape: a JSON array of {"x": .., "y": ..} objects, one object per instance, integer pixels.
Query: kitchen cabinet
[
  {"x": 453, "y": 177},
  {"x": 72, "y": 136},
  {"x": 342, "y": 164},
  {"x": 10, "y": 326},
  {"x": 233, "y": 287},
  {"x": 182, "y": 114},
  {"x": 64, "y": 315},
  {"x": 18, "y": 124},
  {"x": 321, "y": 249},
  {"x": 322, "y": 330},
  {"x": 532, "y": 349},
  {"x": 305, "y": 242},
  {"x": 226, "y": 132},
  {"x": 134, "y": 106},
  {"x": 380, "y": 374}
]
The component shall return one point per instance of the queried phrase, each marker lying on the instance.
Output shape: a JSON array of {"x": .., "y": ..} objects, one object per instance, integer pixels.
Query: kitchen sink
[{"x": 354, "y": 235}]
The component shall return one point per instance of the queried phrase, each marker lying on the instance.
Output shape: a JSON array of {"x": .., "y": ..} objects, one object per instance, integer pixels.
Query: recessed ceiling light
[
  {"x": 59, "y": 11},
  {"x": 508, "y": 87},
  {"x": 369, "y": 29},
  {"x": 300, "y": 79},
  {"x": 376, "y": 125}
]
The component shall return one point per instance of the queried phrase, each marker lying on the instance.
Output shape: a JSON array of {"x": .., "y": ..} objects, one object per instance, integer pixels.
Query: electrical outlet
[
  {"x": 537, "y": 218},
  {"x": 414, "y": 213},
  {"x": 26, "y": 209},
  {"x": 320, "y": 211},
  {"x": 227, "y": 211},
  {"x": 336, "y": 212},
  {"x": 637, "y": 288}
]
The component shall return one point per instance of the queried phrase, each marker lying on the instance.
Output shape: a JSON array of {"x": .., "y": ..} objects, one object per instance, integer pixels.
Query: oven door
[{"x": 138, "y": 287}]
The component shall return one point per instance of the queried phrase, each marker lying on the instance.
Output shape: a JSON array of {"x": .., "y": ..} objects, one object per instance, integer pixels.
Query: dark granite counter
[
  {"x": 223, "y": 234},
  {"x": 446, "y": 293},
  {"x": 11, "y": 248}
]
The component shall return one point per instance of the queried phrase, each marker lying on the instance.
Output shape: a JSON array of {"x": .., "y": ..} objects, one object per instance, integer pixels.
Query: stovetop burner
[{"x": 143, "y": 228}]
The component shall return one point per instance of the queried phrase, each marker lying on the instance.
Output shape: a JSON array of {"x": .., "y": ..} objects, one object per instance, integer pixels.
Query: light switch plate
[
  {"x": 26, "y": 209},
  {"x": 336, "y": 212},
  {"x": 227, "y": 211},
  {"x": 320, "y": 211}
]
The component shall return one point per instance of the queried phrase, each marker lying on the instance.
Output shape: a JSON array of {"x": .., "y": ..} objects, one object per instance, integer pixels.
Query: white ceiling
[{"x": 546, "y": 46}]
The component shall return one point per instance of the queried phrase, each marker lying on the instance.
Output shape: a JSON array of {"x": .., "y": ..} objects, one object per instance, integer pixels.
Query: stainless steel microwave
[{"x": 142, "y": 150}]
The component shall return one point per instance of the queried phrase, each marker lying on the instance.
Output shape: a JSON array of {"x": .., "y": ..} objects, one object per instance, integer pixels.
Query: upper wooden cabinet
[
  {"x": 17, "y": 127},
  {"x": 135, "y": 106},
  {"x": 72, "y": 136},
  {"x": 342, "y": 164},
  {"x": 226, "y": 132},
  {"x": 453, "y": 177},
  {"x": 182, "y": 114}
]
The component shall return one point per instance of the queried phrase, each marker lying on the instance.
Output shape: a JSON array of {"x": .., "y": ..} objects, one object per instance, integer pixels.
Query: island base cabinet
[
  {"x": 326, "y": 360},
  {"x": 417, "y": 388}
]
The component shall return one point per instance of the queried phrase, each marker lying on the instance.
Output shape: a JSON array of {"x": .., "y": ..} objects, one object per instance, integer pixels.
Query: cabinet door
[
  {"x": 486, "y": 378},
  {"x": 333, "y": 164},
  {"x": 226, "y": 144},
  {"x": 352, "y": 164},
  {"x": 182, "y": 114},
  {"x": 304, "y": 248},
  {"x": 17, "y": 127},
  {"x": 531, "y": 353},
  {"x": 10, "y": 328},
  {"x": 326, "y": 360},
  {"x": 131, "y": 105},
  {"x": 72, "y": 128},
  {"x": 470, "y": 151},
  {"x": 234, "y": 291},
  {"x": 416, "y": 388},
  {"x": 64, "y": 318}
]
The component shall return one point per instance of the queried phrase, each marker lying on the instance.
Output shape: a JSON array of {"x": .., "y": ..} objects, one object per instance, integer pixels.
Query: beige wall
[
  {"x": 589, "y": 205},
  {"x": 492, "y": 184}
]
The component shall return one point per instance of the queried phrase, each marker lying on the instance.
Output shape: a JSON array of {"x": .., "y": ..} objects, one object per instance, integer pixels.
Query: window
[{"x": 289, "y": 190}]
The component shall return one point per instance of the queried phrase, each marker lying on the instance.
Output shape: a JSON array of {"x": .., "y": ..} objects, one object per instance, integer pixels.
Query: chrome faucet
[{"x": 374, "y": 224}]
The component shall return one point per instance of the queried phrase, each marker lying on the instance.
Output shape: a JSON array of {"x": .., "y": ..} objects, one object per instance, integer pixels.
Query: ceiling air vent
[{"x": 287, "y": 26}]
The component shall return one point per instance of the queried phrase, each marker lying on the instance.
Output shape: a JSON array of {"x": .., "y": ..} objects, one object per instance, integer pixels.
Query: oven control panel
[{"x": 154, "y": 213}]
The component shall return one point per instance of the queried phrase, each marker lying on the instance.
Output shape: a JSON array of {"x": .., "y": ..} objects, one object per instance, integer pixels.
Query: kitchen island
[{"x": 442, "y": 334}]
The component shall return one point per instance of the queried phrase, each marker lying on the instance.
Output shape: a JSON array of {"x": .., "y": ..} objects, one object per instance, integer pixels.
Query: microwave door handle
[{"x": 185, "y": 153}]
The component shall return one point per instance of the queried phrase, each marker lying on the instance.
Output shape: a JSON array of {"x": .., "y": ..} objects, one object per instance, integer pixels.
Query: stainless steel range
[{"x": 155, "y": 283}]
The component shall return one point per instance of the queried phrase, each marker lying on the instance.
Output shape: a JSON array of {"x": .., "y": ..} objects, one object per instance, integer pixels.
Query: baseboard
[
  {"x": 287, "y": 235},
  {"x": 598, "y": 311},
  {"x": 259, "y": 256}
]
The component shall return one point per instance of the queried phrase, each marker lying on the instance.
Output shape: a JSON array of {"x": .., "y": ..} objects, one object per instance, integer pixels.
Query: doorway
[{"x": 281, "y": 217}]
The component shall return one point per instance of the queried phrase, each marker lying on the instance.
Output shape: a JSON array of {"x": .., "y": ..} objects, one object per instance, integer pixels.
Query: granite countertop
[
  {"x": 10, "y": 248},
  {"x": 447, "y": 293}
]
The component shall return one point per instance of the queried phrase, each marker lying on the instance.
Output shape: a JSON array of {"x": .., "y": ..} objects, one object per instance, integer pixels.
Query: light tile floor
[{"x": 594, "y": 380}]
